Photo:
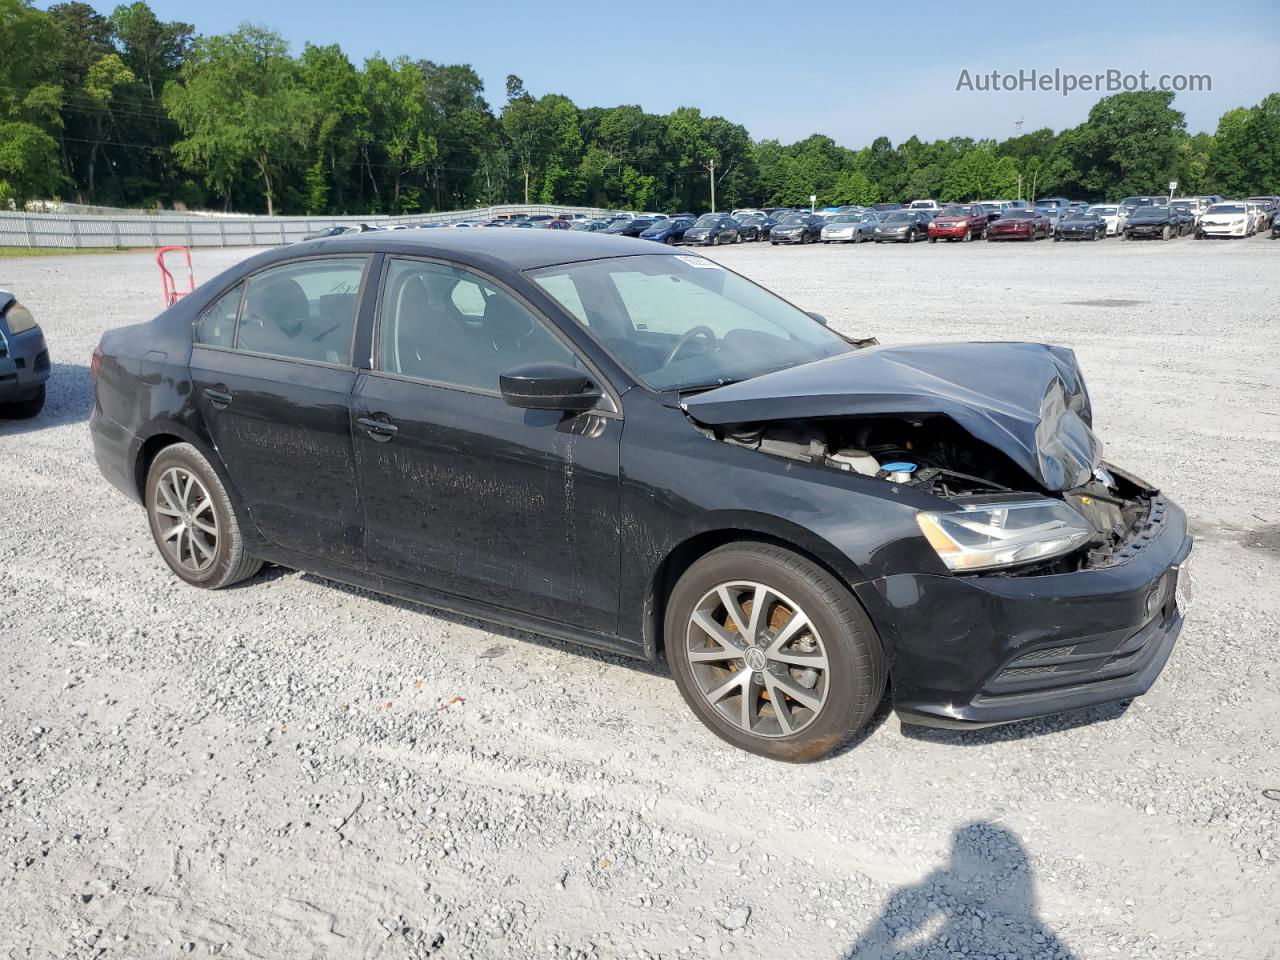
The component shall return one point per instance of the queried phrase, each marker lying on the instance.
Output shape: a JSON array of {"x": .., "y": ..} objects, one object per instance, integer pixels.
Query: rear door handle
[
  {"x": 380, "y": 430},
  {"x": 219, "y": 396}
]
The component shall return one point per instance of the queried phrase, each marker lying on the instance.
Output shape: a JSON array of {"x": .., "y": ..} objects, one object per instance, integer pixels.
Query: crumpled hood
[{"x": 1027, "y": 400}]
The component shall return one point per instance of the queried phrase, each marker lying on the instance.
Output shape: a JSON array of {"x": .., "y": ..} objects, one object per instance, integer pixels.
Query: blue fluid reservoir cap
[{"x": 898, "y": 467}]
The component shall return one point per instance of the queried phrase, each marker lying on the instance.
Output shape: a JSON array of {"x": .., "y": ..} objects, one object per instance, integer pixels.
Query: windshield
[
  {"x": 1018, "y": 215},
  {"x": 1151, "y": 211},
  {"x": 955, "y": 212},
  {"x": 847, "y": 218},
  {"x": 708, "y": 220},
  {"x": 1103, "y": 211},
  {"x": 899, "y": 218},
  {"x": 1084, "y": 215},
  {"x": 658, "y": 224},
  {"x": 795, "y": 218},
  {"x": 991, "y": 207},
  {"x": 641, "y": 308},
  {"x": 1227, "y": 208}
]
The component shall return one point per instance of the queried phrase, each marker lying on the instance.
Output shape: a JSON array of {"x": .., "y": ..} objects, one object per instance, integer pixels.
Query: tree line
[{"x": 129, "y": 110}]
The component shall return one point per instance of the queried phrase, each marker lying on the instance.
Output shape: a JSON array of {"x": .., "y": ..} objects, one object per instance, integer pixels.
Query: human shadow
[
  {"x": 981, "y": 903},
  {"x": 68, "y": 399}
]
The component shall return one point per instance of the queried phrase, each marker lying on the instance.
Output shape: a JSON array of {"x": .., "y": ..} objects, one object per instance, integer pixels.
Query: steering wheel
[{"x": 700, "y": 330}]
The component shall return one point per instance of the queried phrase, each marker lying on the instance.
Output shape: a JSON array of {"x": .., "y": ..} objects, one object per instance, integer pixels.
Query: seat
[
  {"x": 428, "y": 340},
  {"x": 276, "y": 317}
]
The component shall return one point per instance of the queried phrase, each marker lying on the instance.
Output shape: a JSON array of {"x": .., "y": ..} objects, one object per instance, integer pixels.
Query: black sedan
[
  {"x": 790, "y": 519},
  {"x": 24, "y": 360},
  {"x": 1078, "y": 225},
  {"x": 630, "y": 228},
  {"x": 797, "y": 228},
  {"x": 763, "y": 223},
  {"x": 1153, "y": 223},
  {"x": 902, "y": 226},
  {"x": 667, "y": 231},
  {"x": 711, "y": 230}
]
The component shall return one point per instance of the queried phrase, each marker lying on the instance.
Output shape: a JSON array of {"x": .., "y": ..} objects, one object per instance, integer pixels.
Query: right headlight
[
  {"x": 19, "y": 319},
  {"x": 981, "y": 536}
]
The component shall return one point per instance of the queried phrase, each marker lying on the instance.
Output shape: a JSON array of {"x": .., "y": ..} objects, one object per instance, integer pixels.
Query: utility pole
[{"x": 711, "y": 170}]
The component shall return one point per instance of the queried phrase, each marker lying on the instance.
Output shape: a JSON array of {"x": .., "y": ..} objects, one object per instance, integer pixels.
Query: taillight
[{"x": 95, "y": 364}]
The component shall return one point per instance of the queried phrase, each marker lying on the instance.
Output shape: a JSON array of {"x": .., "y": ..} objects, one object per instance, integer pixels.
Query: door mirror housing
[{"x": 549, "y": 386}]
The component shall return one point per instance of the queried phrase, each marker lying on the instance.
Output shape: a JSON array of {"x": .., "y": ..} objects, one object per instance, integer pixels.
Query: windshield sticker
[{"x": 700, "y": 262}]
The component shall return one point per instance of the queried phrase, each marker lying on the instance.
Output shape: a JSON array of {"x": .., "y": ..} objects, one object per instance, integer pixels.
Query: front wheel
[
  {"x": 193, "y": 521},
  {"x": 1165, "y": 233},
  {"x": 772, "y": 652}
]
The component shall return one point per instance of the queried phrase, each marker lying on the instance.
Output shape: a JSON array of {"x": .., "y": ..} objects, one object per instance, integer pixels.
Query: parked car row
[{"x": 1137, "y": 217}]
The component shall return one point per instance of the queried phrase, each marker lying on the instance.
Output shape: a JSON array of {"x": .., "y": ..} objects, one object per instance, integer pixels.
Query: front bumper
[
  {"x": 689, "y": 241},
  {"x": 1224, "y": 229},
  {"x": 24, "y": 364},
  {"x": 843, "y": 237},
  {"x": 1152, "y": 230},
  {"x": 976, "y": 651},
  {"x": 890, "y": 237},
  {"x": 948, "y": 232},
  {"x": 1011, "y": 234},
  {"x": 776, "y": 237}
]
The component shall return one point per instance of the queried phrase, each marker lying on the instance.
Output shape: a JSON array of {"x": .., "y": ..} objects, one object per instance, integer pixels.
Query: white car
[
  {"x": 746, "y": 212},
  {"x": 923, "y": 205},
  {"x": 1198, "y": 205},
  {"x": 1110, "y": 214},
  {"x": 1230, "y": 219}
]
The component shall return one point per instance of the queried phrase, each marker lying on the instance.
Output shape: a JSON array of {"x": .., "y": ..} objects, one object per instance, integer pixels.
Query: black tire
[
  {"x": 857, "y": 668},
  {"x": 24, "y": 409},
  {"x": 933, "y": 239},
  {"x": 230, "y": 563}
]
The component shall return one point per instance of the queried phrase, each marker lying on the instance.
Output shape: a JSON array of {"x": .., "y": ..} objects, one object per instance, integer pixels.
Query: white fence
[{"x": 201, "y": 230}]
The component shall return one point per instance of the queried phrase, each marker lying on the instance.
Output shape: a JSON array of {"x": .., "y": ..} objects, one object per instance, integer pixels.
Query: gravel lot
[{"x": 296, "y": 769}]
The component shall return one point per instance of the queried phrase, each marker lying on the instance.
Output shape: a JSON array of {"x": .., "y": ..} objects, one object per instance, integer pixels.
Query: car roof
[{"x": 516, "y": 249}]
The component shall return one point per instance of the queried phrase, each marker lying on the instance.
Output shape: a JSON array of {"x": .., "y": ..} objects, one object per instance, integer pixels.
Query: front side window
[
  {"x": 451, "y": 326},
  {"x": 302, "y": 311},
  {"x": 217, "y": 325},
  {"x": 682, "y": 322}
]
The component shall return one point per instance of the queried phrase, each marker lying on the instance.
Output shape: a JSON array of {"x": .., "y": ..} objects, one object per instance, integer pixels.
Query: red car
[
  {"x": 960, "y": 222},
  {"x": 1020, "y": 225}
]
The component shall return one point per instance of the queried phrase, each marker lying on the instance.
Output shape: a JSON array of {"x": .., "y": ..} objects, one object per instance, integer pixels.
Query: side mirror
[
  {"x": 549, "y": 386},
  {"x": 817, "y": 316}
]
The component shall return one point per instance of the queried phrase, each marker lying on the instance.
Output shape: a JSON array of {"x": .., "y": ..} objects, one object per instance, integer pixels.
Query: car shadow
[
  {"x": 496, "y": 629},
  {"x": 981, "y": 903},
  {"x": 1020, "y": 730},
  {"x": 68, "y": 399}
]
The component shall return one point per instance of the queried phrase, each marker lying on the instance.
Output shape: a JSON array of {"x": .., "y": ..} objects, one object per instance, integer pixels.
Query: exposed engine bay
[{"x": 935, "y": 455}]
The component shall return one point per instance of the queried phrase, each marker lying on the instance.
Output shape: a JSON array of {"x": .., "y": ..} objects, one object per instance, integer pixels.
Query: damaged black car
[{"x": 640, "y": 450}]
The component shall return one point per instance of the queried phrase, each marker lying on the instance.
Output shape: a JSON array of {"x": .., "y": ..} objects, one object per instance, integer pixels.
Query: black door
[
  {"x": 274, "y": 391},
  {"x": 464, "y": 494}
]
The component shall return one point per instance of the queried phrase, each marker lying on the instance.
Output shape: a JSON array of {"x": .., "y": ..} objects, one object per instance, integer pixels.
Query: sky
[{"x": 853, "y": 71}]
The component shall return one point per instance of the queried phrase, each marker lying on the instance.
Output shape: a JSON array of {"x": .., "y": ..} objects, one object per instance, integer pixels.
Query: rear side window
[
  {"x": 217, "y": 325},
  {"x": 302, "y": 311}
]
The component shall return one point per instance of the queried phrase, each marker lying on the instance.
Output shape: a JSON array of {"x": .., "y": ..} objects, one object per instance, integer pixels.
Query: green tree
[
  {"x": 30, "y": 101},
  {"x": 240, "y": 104}
]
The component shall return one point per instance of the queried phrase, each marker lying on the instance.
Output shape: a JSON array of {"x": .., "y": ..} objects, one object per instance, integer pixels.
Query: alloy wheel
[
  {"x": 757, "y": 659},
  {"x": 187, "y": 523}
]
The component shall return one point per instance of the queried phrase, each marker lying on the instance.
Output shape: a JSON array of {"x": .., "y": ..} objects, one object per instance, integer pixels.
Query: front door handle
[
  {"x": 219, "y": 396},
  {"x": 380, "y": 430}
]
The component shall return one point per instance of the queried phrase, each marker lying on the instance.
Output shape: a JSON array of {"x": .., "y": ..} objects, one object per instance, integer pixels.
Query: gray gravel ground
[{"x": 295, "y": 769}]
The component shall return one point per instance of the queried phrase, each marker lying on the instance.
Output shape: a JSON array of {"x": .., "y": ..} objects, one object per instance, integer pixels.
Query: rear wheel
[
  {"x": 193, "y": 521},
  {"x": 24, "y": 409},
  {"x": 772, "y": 652},
  {"x": 1165, "y": 233}
]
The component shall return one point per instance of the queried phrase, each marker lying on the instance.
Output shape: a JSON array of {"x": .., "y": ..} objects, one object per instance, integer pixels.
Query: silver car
[{"x": 850, "y": 228}]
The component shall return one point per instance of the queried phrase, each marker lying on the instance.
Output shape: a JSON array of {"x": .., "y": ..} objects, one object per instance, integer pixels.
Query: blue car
[
  {"x": 24, "y": 360},
  {"x": 668, "y": 231}
]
